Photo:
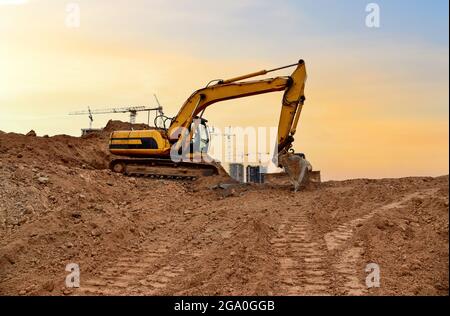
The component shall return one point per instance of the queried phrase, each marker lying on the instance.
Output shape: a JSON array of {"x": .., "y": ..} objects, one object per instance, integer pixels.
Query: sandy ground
[{"x": 134, "y": 236}]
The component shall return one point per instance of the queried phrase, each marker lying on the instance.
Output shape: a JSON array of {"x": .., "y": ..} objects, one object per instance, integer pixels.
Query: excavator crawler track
[{"x": 163, "y": 168}]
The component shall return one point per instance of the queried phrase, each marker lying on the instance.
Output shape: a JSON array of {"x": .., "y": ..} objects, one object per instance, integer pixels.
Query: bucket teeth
[{"x": 297, "y": 168}]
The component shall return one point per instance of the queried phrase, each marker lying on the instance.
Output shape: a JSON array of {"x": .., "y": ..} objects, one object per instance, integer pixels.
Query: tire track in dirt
[
  {"x": 133, "y": 274},
  {"x": 303, "y": 267},
  {"x": 348, "y": 276},
  {"x": 349, "y": 258},
  {"x": 307, "y": 265},
  {"x": 159, "y": 282},
  {"x": 344, "y": 232}
]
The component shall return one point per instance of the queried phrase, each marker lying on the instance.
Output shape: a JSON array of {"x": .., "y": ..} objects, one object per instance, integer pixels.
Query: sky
[{"x": 377, "y": 98}]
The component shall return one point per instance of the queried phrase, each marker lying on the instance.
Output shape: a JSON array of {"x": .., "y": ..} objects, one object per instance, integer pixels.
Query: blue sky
[
  {"x": 235, "y": 22},
  {"x": 403, "y": 19}
]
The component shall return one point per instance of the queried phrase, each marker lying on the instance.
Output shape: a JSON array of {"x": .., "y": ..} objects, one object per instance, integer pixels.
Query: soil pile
[{"x": 59, "y": 204}]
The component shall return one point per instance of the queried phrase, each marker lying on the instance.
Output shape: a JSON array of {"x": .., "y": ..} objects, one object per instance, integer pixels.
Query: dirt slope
[{"x": 59, "y": 205}]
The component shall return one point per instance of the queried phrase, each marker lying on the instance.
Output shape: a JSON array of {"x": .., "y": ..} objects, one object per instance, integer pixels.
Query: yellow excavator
[{"x": 177, "y": 147}]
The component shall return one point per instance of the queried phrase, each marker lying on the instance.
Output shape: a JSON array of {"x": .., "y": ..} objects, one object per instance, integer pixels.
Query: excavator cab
[{"x": 200, "y": 141}]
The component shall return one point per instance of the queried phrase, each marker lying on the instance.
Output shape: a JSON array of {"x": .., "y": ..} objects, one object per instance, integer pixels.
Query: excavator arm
[{"x": 292, "y": 102}]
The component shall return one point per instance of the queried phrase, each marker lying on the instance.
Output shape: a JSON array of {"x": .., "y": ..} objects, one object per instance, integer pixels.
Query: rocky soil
[{"x": 59, "y": 204}]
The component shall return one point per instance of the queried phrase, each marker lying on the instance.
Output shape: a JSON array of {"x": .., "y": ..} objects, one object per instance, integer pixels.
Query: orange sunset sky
[{"x": 377, "y": 98}]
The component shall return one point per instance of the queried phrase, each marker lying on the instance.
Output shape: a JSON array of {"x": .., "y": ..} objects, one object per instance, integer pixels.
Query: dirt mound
[
  {"x": 113, "y": 125},
  {"x": 40, "y": 152},
  {"x": 410, "y": 243},
  {"x": 59, "y": 205},
  {"x": 89, "y": 151}
]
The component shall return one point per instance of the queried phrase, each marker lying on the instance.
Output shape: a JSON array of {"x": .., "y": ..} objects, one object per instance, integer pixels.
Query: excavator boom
[{"x": 292, "y": 102}]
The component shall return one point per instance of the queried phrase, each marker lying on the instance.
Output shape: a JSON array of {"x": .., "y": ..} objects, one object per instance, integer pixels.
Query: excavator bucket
[{"x": 298, "y": 169}]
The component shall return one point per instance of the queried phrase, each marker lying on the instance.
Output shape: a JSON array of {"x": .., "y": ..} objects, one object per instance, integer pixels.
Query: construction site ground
[{"x": 59, "y": 204}]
